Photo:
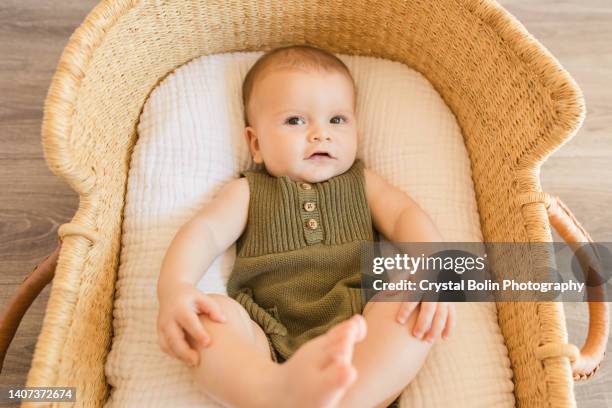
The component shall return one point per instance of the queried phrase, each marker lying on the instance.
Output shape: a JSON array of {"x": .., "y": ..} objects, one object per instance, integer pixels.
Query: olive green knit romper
[{"x": 297, "y": 268}]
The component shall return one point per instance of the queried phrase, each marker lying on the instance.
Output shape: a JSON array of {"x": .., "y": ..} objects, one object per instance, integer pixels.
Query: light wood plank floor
[{"x": 34, "y": 202}]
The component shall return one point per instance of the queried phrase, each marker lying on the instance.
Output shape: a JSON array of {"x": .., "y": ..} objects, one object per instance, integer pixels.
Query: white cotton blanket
[{"x": 191, "y": 143}]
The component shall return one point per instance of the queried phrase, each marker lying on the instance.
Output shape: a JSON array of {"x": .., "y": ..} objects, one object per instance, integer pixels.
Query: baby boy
[{"x": 293, "y": 330}]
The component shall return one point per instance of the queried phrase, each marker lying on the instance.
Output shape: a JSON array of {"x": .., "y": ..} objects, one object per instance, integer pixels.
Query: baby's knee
[
  {"x": 387, "y": 311},
  {"x": 234, "y": 313}
]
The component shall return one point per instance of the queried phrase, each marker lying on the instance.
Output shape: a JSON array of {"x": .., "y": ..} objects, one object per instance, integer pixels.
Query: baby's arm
[
  {"x": 401, "y": 219},
  {"x": 397, "y": 216},
  {"x": 215, "y": 227}
]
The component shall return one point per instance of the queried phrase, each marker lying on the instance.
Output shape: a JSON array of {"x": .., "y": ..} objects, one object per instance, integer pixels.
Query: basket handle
[
  {"x": 584, "y": 361},
  {"x": 22, "y": 299}
]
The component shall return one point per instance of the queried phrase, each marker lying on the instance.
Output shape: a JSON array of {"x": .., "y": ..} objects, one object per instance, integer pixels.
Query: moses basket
[{"x": 514, "y": 103}]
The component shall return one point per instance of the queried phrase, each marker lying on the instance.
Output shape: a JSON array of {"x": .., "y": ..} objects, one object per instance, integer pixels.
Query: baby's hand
[
  {"x": 178, "y": 316},
  {"x": 433, "y": 317}
]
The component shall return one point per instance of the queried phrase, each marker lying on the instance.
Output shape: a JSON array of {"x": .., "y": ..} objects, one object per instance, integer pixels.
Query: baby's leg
[
  {"x": 387, "y": 359},
  {"x": 238, "y": 358}
]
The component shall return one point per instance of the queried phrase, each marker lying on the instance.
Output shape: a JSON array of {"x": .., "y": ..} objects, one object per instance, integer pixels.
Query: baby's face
[{"x": 296, "y": 114}]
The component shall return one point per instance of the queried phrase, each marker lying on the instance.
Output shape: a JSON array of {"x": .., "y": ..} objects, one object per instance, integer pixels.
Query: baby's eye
[
  {"x": 294, "y": 120},
  {"x": 333, "y": 120}
]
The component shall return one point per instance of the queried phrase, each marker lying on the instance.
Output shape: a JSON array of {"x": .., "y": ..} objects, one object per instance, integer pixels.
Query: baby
[{"x": 294, "y": 331}]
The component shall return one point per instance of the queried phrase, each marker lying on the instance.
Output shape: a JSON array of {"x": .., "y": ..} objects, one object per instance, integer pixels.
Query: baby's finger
[
  {"x": 165, "y": 339},
  {"x": 179, "y": 346},
  {"x": 424, "y": 320},
  {"x": 191, "y": 323},
  {"x": 163, "y": 344},
  {"x": 450, "y": 321},
  {"x": 404, "y": 311},
  {"x": 437, "y": 323},
  {"x": 210, "y": 307}
]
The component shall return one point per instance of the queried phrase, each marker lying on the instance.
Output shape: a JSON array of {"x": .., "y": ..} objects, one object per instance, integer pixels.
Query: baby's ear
[{"x": 253, "y": 143}]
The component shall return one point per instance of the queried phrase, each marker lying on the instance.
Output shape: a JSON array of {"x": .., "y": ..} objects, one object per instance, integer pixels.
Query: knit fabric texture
[{"x": 297, "y": 268}]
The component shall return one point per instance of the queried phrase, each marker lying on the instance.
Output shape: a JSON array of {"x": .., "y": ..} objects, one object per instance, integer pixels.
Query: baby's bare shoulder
[
  {"x": 375, "y": 185},
  {"x": 232, "y": 200},
  {"x": 226, "y": 214},
  {"x": 385, "y": 200},
  {"x": 236, "y": 188}
]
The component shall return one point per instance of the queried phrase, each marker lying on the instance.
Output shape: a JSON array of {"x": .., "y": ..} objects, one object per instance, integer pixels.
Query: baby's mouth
[{"x": 320, "y": 155}]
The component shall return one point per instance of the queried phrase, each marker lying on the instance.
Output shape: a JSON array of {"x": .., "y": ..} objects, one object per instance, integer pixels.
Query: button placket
[{"x": 311, "y": 221}]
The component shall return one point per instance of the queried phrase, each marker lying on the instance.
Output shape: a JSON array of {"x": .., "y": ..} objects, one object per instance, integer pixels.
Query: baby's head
[{"x": 299, "y": 101}]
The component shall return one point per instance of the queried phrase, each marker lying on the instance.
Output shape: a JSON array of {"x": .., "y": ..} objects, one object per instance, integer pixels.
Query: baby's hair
[{"x": 291, "y": 56}]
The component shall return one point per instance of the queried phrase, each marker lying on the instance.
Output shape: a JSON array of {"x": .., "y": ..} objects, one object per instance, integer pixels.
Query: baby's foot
[{"x": 320, "y": 372}]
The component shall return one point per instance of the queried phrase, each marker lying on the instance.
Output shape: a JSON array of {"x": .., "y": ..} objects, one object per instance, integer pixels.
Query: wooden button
[
  {"x": 312, "y": 223},
  {"x": 305, "y": 186},
  {"x": 309, "y": 206}
]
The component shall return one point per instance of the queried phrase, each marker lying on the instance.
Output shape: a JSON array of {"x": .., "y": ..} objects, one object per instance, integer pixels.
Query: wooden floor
[{"x": 34, "y": 202}]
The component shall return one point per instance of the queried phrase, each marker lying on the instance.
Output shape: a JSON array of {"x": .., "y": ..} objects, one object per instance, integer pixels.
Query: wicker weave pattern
[{"x": 514, "y": 103}]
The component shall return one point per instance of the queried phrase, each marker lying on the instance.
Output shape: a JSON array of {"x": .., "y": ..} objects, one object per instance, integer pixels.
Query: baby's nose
[{"x": 319, "y": 135}]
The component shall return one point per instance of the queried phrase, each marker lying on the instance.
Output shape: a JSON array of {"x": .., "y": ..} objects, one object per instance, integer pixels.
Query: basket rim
[{"x": 566, "y": 95}]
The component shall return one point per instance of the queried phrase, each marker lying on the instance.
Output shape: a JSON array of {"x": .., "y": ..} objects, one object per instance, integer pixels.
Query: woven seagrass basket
[{"x": 513, "y": 101}]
